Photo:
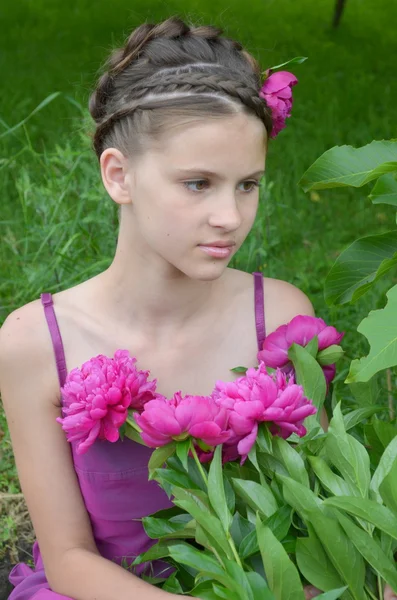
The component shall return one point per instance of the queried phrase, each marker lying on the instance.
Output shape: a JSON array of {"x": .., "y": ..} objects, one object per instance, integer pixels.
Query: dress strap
[
  {"x": 259, "y": 309},
  {"x": 47, "y": 302}
]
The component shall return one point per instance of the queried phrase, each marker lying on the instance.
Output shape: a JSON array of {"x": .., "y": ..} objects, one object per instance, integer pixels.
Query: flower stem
[
  {"x": 198, "y": 463},
  {"x": 233, "y": 547}
]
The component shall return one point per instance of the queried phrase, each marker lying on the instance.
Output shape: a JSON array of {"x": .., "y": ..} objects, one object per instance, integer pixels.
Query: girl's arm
[{"x": 30, "y": 394}]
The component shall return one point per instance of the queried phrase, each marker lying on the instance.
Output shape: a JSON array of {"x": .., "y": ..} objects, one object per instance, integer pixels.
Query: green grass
[{"x": 59, "y": 226}]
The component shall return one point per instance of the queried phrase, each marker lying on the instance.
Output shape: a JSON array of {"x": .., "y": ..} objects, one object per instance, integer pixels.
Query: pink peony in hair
[
  {"x": 97, "y": 397},
  {"x": 277, "y": 91}
]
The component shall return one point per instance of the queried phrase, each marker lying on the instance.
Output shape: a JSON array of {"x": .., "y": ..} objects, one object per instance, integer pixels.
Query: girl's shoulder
[
  {"x": 282, "y": 300},
  {"x": 26, "y": 349}
]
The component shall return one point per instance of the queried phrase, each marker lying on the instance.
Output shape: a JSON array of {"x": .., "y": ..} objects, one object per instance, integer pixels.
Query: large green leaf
[
  {"x": 359, "y": 266},
  {"x": 354, "y": 417},
  {"x": 347, "y": 454},
  {"x": 310, "y": 376},
  {"x": 165, "y": 528},
  {"x": 159, "y": 456},
  {"x": 384, "y": 467},
  {"x": 281, "y": 573},
  {"x": 256, "y": 496},
  {"x": 370, "y": 511},
  {"x": 315, "y": 565},
  {"x": 330, "y": 480},
  {"x": 259, "y": 586},
  {"x": 345, "y": 557},
  {"x": 190, "y": 501},
  {"x": 291, "y": 459},
  {"x": 385, "y": 190},
  {"x": 343, "y": 166},
  {"x": 388, "y": 489},
  {"x": 216, "y": 490},
  {"x": 370, "y": 550},
  {"x": 380, "y": 329},
  {"x": 201, "y": 561}
]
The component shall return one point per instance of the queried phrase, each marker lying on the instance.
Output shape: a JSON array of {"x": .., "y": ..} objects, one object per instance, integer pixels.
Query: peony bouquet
[{"x": 265, "y": 501}]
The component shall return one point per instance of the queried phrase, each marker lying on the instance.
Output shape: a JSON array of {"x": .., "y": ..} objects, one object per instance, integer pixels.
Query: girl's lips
[{"x": 217, "y": 252}]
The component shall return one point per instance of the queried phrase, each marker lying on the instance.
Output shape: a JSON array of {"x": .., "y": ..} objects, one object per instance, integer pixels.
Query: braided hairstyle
[{"x": 170, "y": 72}]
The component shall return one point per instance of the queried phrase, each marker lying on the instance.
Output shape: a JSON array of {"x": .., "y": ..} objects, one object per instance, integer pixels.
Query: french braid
[{"x": 163, "y": 63}]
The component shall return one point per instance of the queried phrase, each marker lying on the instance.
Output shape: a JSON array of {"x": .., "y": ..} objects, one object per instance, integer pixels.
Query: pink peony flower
[
  {"x": 277, "y": 91},
  {"x": 257, "y": 397},
  {"x": 97, "y": 397},
  {"x": 300, "y": 330},
  {"x": 200, "y": 417}
]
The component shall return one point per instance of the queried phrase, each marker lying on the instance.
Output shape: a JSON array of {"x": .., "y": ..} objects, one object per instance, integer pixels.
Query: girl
[{"x": 181, "y": 137}]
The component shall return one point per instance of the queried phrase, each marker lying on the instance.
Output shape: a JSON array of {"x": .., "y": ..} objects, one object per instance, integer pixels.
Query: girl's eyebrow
[{"x": 196, "y": 171}]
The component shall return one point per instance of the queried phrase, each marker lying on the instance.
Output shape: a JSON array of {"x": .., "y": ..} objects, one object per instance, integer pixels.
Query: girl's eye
[{"x": 199, "y": 182}]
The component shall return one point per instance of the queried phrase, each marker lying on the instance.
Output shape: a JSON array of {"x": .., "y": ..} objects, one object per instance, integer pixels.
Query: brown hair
[{"x": 180, "y": 70}]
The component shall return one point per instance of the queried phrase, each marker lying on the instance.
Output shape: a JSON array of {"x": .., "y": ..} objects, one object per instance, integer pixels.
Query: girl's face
[{"x": 196, "y": 189}]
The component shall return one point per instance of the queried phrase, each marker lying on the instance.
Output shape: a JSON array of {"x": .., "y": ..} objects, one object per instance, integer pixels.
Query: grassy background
[{"x": 59, "y": 227}]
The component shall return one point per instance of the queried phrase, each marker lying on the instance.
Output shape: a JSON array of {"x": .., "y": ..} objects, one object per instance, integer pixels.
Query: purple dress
[{"x": 113, "y": 479}]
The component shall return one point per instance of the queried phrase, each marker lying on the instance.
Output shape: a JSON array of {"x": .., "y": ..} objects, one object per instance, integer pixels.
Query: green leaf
[
  {"x": 172, "y": 477},
  {"x": 388, "y": 489},
  {"x": 365, "y": 393},
  {"x": 239, "y": 577},
  {"x": 370, "y": 550},
  {"x": 330, "y": 481},
  {"x": 216, "y": 491},
  {"x": 292, "y": 460},
  {"x": 310, "y": 375},
  {"x": 279, "y": 523},
  {"x": 264, "y": 438},
  {"x": 330, "y": 355},
  {"x": 204, "y": 591},
  {"x": 342, "y": 553},
  {"x": 332, "y": 594},
  {"x": 370, "y": 511},
  {"x": 383, "y": 469},
  {"x": 354, "y": 417},
  {"x": 359, "y": 266},
  {"x": 172, "y": 585},
  {"x": 343, "y": 166},
  {"x": 155, "y": 552},
  {"x": 281, "y": 573},
  {"x": 301, "y": 498},
  {"x": 190, "y": 501},
  {"x": 257, "y": 496},
  {"x": 384, "y": 430},
  {"x": 312, "y": 347},
  {"x": 132, "y": 434},
  {"x": 380, "y": 328},
  {"x": 314, "y": 563},
  {"x": 240, "y": 370},
  {"x": 259, "y": 586},
  {"x": 347, "y": 454},
  {"x": 385, "y": 190},
  {"x": 294, "y": 61},
  {"x": 200, "y": 561},
  {"x": 163, "y": 528},
  {"x": 182, "y": 451},
  {"x": 340, "y": 550},
  {"x": 240, "y": 528},
  {"x": 159, "y": 456}
]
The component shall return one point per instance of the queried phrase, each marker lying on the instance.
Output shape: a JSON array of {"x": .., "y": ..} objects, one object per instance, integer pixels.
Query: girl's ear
[{"x": 115, "y": 176}]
